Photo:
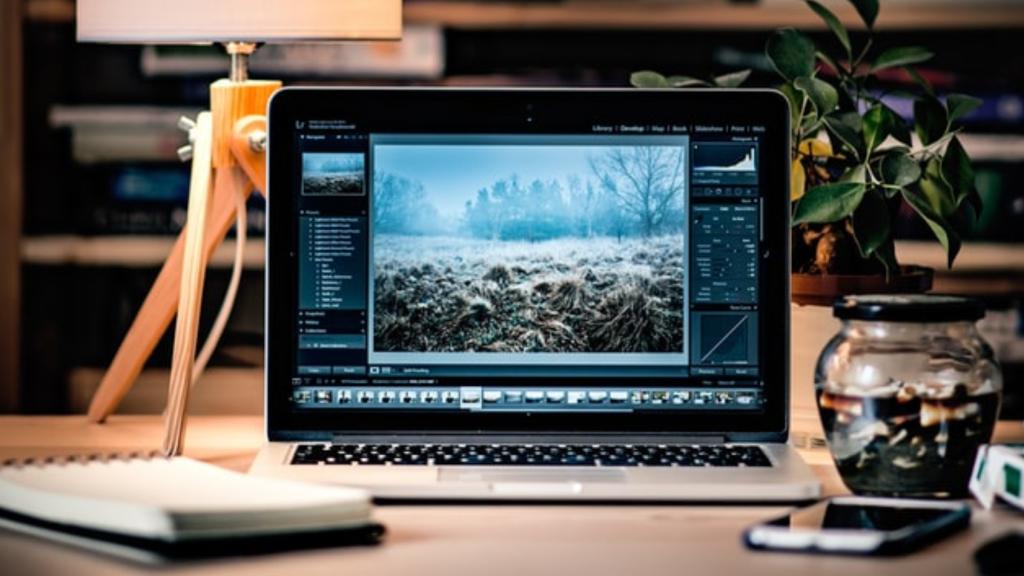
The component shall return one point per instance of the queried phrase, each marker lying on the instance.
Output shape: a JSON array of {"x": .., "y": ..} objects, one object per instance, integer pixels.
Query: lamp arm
[
  {"x": 236, "y": 128},
  {"x": 228, "y": 303},
  {"x": 248, "y": 146}
]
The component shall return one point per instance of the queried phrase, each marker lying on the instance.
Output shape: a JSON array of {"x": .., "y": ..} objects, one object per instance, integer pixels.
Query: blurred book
[{"x": 122, "y": 133}]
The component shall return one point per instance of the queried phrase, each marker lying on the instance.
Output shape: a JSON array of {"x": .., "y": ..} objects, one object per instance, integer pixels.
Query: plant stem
[{"x": 864, "y": 52}]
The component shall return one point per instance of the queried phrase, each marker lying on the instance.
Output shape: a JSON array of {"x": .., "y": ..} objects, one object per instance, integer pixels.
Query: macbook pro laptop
[{"x": 530, "y": 294}]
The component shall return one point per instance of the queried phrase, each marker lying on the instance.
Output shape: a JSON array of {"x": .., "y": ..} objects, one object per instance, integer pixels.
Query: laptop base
[{"x": 789, "y": 479}]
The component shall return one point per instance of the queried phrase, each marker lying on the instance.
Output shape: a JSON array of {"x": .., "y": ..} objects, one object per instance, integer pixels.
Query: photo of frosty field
[
  {"x": 512, "y": 249},
  {"x": 567, "y": 295},
  {"x": 332, "y": 174}
]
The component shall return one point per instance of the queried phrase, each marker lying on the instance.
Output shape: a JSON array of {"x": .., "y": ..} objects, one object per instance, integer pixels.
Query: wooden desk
[{"x": 518, "y": 540}]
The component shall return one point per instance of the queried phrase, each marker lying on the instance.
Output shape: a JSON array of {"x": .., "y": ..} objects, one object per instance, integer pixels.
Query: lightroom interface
[{"x": 609, "y": 271}]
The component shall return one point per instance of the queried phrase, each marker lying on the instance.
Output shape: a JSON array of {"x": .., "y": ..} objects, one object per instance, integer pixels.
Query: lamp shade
[{"x": 205, "y": 21}]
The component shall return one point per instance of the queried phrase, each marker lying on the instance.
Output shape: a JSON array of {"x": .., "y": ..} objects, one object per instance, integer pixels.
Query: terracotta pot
[{"x": 823, "y": 289}]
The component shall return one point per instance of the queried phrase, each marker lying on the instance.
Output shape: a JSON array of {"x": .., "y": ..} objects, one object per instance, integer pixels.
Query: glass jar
[{"x": 907, "y": 392}]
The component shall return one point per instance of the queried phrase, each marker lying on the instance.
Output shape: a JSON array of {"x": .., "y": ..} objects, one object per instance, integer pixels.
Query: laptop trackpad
[{"x": 529, "y": 475}]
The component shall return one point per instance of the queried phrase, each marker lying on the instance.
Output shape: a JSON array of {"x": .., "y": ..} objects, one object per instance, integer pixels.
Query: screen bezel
[{"x": 524, "y": 111}]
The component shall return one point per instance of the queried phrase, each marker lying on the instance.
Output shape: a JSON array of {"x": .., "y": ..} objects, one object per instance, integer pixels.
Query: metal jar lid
[{"x": 925, "y": 308}]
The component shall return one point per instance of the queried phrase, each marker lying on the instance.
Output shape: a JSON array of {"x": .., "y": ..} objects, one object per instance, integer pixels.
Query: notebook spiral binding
[{"x": 96, "y": 457}]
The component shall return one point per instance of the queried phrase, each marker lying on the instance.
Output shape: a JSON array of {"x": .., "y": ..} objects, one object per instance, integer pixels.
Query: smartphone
[{"x": 864, "y": 526}]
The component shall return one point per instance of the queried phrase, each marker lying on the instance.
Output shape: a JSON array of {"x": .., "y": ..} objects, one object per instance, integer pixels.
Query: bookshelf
[
  {"x": 10, "y": 199},
  {"x": 222, "y": 390},
  {"x": 710, "y": 14},
  {"x": 125, "y": 251},
  {"x": 664, "y": 14},
  {"x": 108, "y": 112}
]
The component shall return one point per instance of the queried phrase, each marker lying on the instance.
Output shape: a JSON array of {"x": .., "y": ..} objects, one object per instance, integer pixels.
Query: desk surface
[{"x": 472, "y": 539}]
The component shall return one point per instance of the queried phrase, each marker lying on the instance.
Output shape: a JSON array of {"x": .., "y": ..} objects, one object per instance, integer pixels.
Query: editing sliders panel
[{"x": 725, "y": 232}]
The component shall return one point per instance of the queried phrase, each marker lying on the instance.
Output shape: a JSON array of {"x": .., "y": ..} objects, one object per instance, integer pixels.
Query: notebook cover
[{"x": 160, "y": 551}]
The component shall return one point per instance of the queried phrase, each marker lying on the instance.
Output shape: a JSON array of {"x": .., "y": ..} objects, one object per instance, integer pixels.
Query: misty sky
[
  {"x": 452, "y": 174},
  {"x": 315, "y": 161}
]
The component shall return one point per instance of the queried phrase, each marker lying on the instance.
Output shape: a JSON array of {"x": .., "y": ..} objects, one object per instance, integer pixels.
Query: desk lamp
[{"x": 226, "y": 148}]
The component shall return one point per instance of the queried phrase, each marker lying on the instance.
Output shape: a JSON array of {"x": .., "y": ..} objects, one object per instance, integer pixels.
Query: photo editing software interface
[{"x": 615, "y": 269}]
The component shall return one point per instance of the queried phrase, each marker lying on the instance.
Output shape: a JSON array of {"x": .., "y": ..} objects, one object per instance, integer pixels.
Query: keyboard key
[{"x": 533, "y": 454}]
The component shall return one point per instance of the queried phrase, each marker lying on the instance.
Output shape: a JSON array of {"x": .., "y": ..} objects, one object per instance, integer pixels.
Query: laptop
[{"x": 530, "y": 294}]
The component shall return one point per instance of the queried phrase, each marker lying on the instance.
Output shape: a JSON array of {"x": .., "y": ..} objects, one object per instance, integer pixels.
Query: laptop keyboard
[{"x": 529, "y": 455}]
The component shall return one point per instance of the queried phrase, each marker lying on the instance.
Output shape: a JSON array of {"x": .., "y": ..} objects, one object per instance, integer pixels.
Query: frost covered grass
[
  {"x": 451, "y": 294},
  {"x": 332, "y": 183}
]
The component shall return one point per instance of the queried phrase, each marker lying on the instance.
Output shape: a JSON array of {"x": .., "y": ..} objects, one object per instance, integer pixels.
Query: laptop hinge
[{"x": 521, "y": 438}]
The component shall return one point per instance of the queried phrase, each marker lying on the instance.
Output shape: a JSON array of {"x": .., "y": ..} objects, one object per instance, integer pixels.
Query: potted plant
[{"x": 856, "y": 164}]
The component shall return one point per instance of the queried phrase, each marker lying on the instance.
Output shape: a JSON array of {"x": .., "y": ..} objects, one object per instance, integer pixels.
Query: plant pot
[{"x": 823, "y": 289}]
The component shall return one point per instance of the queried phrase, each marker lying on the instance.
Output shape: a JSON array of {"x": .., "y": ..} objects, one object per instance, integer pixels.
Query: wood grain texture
[
  {"x": 11, "y": 86},
  {"x": 254, "y": 163},
  {"x": 511, "y": 539},
  {"x": 193, "y": 273},
  {"x": 231, "y": 101}
]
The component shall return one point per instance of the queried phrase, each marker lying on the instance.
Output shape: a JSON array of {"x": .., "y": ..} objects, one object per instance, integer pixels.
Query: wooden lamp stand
[{"x": 226, "y": 150}]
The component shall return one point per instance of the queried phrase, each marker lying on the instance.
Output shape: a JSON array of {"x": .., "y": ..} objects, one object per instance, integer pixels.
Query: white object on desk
[{"x": 174, "y": 499}]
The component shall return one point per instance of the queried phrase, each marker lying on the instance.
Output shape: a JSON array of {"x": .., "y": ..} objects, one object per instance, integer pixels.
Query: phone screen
[
  {"x": 858, "y": 525},
  {"x": 830, "y": 515}
]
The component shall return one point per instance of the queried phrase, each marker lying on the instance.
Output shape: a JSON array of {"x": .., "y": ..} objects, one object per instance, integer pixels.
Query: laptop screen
[{"x": 614, "y": 268}]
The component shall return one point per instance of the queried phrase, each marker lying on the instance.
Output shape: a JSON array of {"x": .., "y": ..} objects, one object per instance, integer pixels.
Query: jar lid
[{"x": 908, "y": 308}]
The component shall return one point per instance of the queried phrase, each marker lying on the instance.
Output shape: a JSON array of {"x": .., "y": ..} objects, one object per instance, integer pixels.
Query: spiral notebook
[{"x": 153, "y": 508}]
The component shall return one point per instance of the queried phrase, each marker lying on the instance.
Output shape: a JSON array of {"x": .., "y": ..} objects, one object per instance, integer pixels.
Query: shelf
[
  {"x": 126, "y": 251},
  {"x": 981, "y": 269},
  {"x": 150, "y": 251},
  {"x": 665, "y": 14},
  {"x": 218, "y": 391},
  {"x": 708, "y": 15},
  {"x": 974, "y": 257}
]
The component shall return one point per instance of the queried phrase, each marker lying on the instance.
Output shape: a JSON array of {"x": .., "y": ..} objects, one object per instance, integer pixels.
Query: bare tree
[
  {"x": 394, "y": 199},
  {"x": 647, "y": 181}
]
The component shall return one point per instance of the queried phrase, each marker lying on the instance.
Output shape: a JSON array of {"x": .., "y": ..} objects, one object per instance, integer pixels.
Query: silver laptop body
[{"x": 530, "y": 294}]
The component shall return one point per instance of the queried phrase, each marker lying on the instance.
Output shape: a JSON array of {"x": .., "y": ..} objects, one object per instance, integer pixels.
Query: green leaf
[
  {"x": 958, "y": 172},
  {"x": 856, "y": 173},
  {"x": 871, "y": 224},
  {"x": 791, "y": 53},
  {"x": 847, "y": 128},
  {"x": 831, "y": 63},
  {"x": 828, "y": 203},
  {"x": 732, "y": 79},
  {"x": 877, "y": 126},
  {"x": 900, "y": 129},
  {"x": 833, "y": 23},
  {"x": 920, "y": 80},
  {"x": 886, "y": 254},
  {"x": 899, "y": 169},
  {"x": 960, "y": 105},
  {"x": 902, "y": 56},
  {"x": 939, "y": 226},
  {"x": 974, "y": 199},
  {"x": 822, "y": 94},
  {"x": 795, "y": 98},
  {"x": 868, "y": 10},
  {"x": 678, "y": 81},
  {"x": 647, "y": 79},
  {"x": 939, "y": 194},
  {"x": 929, "y": 119}
]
